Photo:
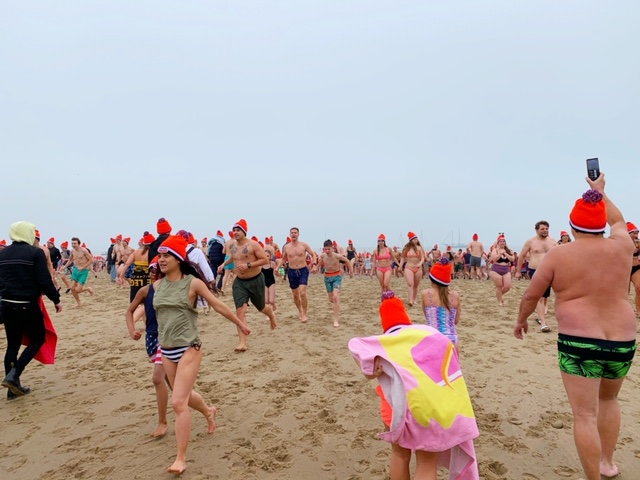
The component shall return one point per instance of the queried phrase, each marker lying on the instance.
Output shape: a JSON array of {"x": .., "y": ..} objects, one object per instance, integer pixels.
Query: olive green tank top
[{"x": 177, "y": 319}]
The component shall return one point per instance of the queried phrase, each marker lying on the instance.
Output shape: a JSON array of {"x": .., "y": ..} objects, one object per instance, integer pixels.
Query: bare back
[{"x": 596, "y": 305}]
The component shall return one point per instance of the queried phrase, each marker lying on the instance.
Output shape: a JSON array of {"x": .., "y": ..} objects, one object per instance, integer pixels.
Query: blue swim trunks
[
  {"x": 297, "y": 277},
  {"x": 333, "y": 282}
]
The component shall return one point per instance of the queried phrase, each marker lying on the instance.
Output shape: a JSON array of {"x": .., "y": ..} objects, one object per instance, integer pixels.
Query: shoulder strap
[{"x": 190, "y": 249}]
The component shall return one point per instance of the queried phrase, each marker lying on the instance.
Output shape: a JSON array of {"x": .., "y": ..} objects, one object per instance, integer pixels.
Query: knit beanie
[
  {"x": 440, "y": 272},
  {"x": 392, "y": 311},
  {"x": 163, "y": 226},
  {"x": 589, "y": 214},
  {"x": 242, "y": 225},
  {"x": 176, "y": 245}
]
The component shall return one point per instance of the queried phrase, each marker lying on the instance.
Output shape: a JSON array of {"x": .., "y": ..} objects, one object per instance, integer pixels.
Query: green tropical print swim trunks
[{"x": 595, "y": 358}]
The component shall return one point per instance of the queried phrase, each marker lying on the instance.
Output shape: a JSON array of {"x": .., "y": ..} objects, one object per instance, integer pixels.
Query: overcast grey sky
[{"x": 346, "y": 119}]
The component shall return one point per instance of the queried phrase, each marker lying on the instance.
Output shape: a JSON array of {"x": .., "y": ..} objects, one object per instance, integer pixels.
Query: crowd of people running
[{"x": 172, "y": 278}]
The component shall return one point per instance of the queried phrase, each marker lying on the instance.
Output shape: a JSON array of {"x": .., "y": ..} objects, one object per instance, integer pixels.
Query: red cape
[{"x": 47, "y": 353}]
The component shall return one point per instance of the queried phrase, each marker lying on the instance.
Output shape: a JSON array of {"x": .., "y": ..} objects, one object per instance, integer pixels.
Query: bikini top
[
  {"x": 502, "y": 260},
  {"x": 386, "y": 256}
]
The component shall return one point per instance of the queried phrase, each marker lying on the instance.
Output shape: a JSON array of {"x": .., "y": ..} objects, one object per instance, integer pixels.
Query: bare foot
[
  {"x": 78, "y": 305},
  {"x": 240, "y": 348},
  {"x": 336, "y": 324},
  {"x": 609, "y": 471},
  {"x": 272, "y": 320},
  {"x": 160, "y": 431},
  {"x": 91, "y": 292},
  {"x": 211, "y": 419},
  {"x": 178, "y": 467},
  {"x": 303, "y": 317}
]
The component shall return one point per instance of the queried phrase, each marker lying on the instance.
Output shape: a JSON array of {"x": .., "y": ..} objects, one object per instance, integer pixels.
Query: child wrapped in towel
[{"x": 424, "y": 396}]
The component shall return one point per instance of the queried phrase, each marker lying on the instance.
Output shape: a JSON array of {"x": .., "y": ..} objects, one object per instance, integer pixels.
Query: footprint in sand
[
  {"x": 529, "y": 476},
  {"x": 564, "y": 471},
  {"x": 361, "y": 466}
]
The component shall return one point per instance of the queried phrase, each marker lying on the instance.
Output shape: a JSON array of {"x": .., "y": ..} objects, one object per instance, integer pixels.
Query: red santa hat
[
  {"x": 163, "y": 226},
  {"x": 37, "y": 234},
  {"x": 154, "y": 263},
  {"x": 440, "y": 272},
  {"x": 411, "y": 236},
  {"x": 267, "y": 240},
  {"x": 205, "y": 240},
  {"x": 3, "y": 242},
  {"x": 254, "y": 238},
  {"x": 631, "y": 227},
  {"x": 64, "y": 244},
  {"x": 220, "y": 234},
  {"x": 242, "y": 225},
  {"x": 147, "y": 238},
  {"x": 288, "y": 239},
  {"x": 84, "y": 245},
  {"x": 51, "y": 240},
  {"x": 119, "y": 237},
  {"x": 589, "y": 214},
  {"x": 382, "y": 237},
  {"x": 191, "y": 240},
  {"x": 335, "y": 244},
  {"x": 278, "y": 254},
  {"x": 564, "y": 233},
  {"x": 350, "y": 242},
  {"x": 127, "y": 239},
  {"x": 113, "y": 240},
  {"x": 231, "y": 233},
  {"x": 475, "y": 237},
  {"x": 501, "y": 237},
  {"x": 261, "y": 244},
  {"x": 392, "y": 312},
  {"x": 176, "y": 245}
]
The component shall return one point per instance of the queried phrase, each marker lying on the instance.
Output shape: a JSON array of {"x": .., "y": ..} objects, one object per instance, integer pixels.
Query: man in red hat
[
  {"x": 476, "y": 249},
  {"x": 536, "y": 248},
  {"x": 248, "y": 258},
  {"x": 296, "y": 252},
  {"x": 596, "y": 324},
  {"x": 635, "y": 266}
]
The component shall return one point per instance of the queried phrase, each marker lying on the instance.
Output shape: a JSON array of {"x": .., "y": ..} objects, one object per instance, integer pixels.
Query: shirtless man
[
  {"x": 597, "y": 327},
  {"x": 248, "y": 257},
  {"x": 295, "y": 252},
  {"x": 82, "y": 263},
  {"x": 635, "y": 266},
  {"x": 536, "y": 248},
  {"x": 333, "y": 263},
  {"x": 476, "y": 249},
  {"x": 458, "y": 263},
  {"x": 123, "y": 254}
]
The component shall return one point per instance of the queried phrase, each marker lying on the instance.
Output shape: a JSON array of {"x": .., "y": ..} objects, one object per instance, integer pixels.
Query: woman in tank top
[{"x": 175, "y": 304}]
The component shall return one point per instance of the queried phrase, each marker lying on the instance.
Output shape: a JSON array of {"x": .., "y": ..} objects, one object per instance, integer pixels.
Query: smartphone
[{"x": 593, "y": 168}]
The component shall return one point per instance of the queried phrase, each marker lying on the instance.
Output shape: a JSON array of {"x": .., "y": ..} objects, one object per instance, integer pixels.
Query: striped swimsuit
[{"x": 442, "y": 319}]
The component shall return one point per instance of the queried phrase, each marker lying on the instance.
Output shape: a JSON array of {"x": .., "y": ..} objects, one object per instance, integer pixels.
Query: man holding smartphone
[{"x": 596, "y": 324}]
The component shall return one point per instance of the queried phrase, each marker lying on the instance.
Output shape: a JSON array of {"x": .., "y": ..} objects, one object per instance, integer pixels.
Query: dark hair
[
  {"x": 189, "y": 268},
  {"x": 327, "y": 243},
  {"x": 294, "y": 228},
  {"x": 542, "y": 222},
  {"x": 75, "y": 239}
]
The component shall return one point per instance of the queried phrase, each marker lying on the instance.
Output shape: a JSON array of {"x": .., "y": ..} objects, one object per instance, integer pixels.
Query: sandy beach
[{"x": 294, "y": 405}]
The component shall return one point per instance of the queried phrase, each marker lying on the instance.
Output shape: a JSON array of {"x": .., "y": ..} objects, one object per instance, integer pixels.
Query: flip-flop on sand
[{"x": 545, "y": 328}]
